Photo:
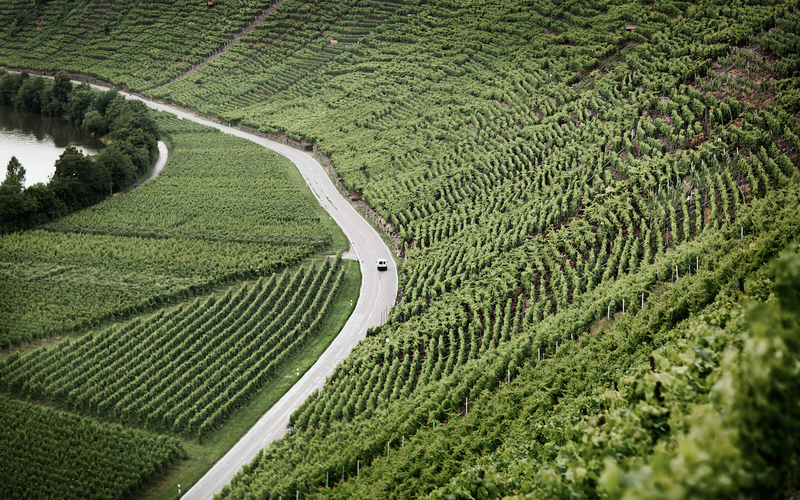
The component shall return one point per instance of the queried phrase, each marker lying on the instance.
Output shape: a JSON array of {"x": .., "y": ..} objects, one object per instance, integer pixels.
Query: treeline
[{"x": 79, "y": 181}]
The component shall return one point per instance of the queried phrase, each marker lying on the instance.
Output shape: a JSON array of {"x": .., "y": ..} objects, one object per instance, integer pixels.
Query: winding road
[
  {"x": 377, "y": 295},
  {"x": 163, "y": 154}
]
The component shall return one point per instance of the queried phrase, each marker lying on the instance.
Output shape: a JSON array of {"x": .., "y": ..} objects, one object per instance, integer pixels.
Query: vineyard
[
  {"x": 544, "y": 170},
  {"x": 187, "y": 370},
  {"x": 528, "y": 414},
  {"x": 218, "y": 188},
  {"x": 52, "y": 454},
  {"x": 139, "y": 44},
  {"x": 597, "y": 208},
  {"x": 224, "y": 210}
]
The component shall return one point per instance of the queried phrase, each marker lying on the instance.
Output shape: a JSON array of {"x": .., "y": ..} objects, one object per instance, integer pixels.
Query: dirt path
[{"x": 225, "y": 48}]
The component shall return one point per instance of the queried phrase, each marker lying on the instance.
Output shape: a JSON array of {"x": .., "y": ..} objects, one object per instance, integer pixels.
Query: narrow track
[
  {"x": 227, "y": 46},
  {"x": 163, "y": 155},
  {"x": 377, "y": 295}
]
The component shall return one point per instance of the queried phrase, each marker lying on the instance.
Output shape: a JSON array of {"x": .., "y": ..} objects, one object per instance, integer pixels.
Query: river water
[{"x": 37, "y": 141}]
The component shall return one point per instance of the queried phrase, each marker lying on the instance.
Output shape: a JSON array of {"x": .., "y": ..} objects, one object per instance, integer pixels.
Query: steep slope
[
  {"x": 593, "y": 406},
  {"x": 138, "y": 44},
  {"x": 546, "y": 167}
]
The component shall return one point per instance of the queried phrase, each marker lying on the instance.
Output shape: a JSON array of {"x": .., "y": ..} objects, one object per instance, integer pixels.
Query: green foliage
[
  {"x": 15, "y": 174},
  {"x": 75, "y": 457},
  {"x": 741, "y": 442},
  {"x": 790, "y": 100},
  {"x": 79, "y": 181},
  {"x": 30, "y": 95},
  {"x": 56, "y": 97},
  {"x": 118, "y": 164},
  {"x": 79, "y": 102},
  {"x": 223, "y": 209},
  {"x": 188, "y": 370},
  {"x": 571, "y": 198},
  {"x": 14, "y": 204},
  {"x": 94, "y": 123},
  {"x": 216, "y": 188},
  {"x": 108, "y": 39},
  {"x": 594, "y": 411},
  {"x": 10, "y": 84},
  {"x": 784, "y": 43},
  {"x": 507, "y": 187}
]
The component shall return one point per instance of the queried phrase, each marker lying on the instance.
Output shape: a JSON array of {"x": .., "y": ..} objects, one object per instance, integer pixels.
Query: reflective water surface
[{"x": 37, "y": 141}]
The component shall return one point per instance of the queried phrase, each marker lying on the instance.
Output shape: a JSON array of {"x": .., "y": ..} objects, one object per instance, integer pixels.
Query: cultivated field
[{"x": 590, "y": 200}]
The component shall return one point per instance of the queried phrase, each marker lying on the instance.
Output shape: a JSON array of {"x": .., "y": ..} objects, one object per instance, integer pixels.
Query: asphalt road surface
[
  {"x": 163, "y": 154},
  {"x": 376, "y": 297},
  {"x": 378, "y": 290}
]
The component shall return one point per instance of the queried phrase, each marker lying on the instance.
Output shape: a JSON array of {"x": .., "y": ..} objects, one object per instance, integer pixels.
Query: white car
[{"x": 382, "y": 265}]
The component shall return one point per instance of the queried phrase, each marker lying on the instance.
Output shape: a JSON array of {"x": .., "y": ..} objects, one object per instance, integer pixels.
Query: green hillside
[
  {"x": 139, "y": 43},
  {"x": 590, "y": 200},
  {"x": 690, "y": 394},
  {"x": 52, "y": 454},
  {"x": 225, "y": 210},
  {"x": 188, "y": 370}
]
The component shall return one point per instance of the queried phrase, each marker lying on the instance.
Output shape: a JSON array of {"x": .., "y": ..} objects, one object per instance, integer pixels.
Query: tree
[
  {"x": 62, "y": 86},
  {"x": 78, "y": 102},
  {"x": 48, "y": 206},
  {"x": 142, "y": 120},
  {"x": 15, "y": 173},
  {"x": 9, "y": 86},
  {"x": 14, "y": 205},
  {"x": 133, "y": 115},
  {"x": 103, "y": 99},
  {"x": 73, "y": 165},
  {"x": 54, "y": 99},
  {"x": 118, "y": 165},
  {"x": 30, "y": 93},
  {"x": 114, "y": 108},
  {"x": 141, "y": 148},
  {"x": 94, "y": 123},
  {"x": 78, "y": 181}
]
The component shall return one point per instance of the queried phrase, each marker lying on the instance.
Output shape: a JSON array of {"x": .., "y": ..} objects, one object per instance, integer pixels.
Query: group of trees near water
[{"x": 79, "y": 180}]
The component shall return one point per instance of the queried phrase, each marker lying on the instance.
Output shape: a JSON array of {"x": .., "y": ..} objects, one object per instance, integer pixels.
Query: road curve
[
  {"x": 163, "y": 154},
  {"x": 377, "y": 295}
]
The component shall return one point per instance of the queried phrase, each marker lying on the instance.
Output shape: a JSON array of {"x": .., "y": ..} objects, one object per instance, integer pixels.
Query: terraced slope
[
  {"x": 529, "y": 166},
  {"x": 552, "y": 171},
  {"x": 48, "y": 453},
  {"x": 139, "y": 44},
  {"x": 187, "y": 370}
]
